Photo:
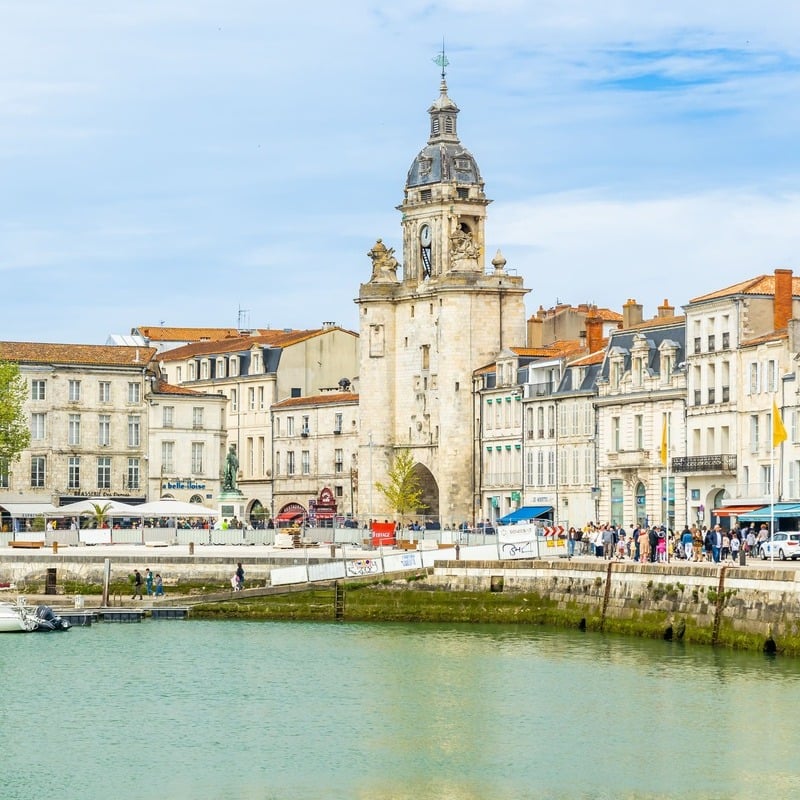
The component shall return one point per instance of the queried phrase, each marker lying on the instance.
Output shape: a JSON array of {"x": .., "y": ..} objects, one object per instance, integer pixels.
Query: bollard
[
  {"x": 55, "y": 547},
  {"x": 742, "y": 557},
  {"x": 191, "y": 548}
]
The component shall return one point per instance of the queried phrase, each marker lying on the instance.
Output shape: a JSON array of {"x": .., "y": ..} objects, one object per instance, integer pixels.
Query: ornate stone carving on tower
[{"x": 424, "y": 334}]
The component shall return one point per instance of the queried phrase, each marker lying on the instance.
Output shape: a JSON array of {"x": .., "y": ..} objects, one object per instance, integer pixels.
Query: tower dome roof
[{"x": 444, "y": 159}]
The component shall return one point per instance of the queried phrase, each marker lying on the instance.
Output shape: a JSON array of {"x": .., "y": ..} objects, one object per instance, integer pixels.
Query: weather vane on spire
[{"x": 442, "y": 61}]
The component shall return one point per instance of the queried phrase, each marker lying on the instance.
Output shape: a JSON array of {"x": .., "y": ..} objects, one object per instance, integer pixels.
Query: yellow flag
[
  {"x": 778, "y": 428},
  {"x": 664, "y": 441}
]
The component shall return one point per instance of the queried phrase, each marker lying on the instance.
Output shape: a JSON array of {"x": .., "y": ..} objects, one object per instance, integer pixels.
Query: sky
[{"x": 204, "y": 163}]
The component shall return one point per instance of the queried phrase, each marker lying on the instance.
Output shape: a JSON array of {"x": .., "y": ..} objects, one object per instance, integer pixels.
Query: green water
[{"x": 299, "y": 710}]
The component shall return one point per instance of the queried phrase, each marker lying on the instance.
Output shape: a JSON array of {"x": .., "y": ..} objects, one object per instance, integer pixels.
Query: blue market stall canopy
[
  {"x": 524, "y": 514},
  {"x": 765, "y": 513}
]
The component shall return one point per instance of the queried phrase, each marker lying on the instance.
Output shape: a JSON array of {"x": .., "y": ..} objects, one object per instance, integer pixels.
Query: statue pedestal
[{"x": 231, "y": 503}]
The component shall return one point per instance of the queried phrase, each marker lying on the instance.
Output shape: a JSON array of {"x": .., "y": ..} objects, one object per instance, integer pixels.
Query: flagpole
[
  {"x": 669, "y": 449},
  {"x": 772, "y": 499}
]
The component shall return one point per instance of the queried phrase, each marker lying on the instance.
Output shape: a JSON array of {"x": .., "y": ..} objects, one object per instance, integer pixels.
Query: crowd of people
[{"x": 656, "y": 543}]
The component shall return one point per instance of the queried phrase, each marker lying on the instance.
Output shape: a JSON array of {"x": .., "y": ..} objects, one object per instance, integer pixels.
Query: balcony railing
[{"x": 718, "y": 463}]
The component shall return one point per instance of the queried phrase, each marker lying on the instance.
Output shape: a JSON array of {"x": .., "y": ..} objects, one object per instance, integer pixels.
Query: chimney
[
  {"x": 535, "y": 331},
  {"x": 666, "y": 310},
  {"x": 782, "y": 304},
  {"x": 594, "y": 333},
  {"x": 631, "y": 313}
]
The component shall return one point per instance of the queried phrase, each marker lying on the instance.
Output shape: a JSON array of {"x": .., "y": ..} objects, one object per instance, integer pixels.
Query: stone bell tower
[{"x": 424, "y": 332}]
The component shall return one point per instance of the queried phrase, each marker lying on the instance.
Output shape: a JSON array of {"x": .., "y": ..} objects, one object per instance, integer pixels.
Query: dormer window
[
  {"x": 233, "y": 366},
  {"x": 425, "y": 165}
]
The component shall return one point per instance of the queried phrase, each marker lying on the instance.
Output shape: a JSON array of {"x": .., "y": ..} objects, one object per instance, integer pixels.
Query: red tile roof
[
  {"x": 83, "y": 354},
  {"x": 239, "y": 344},
  {"x": 162, "y": 387},
  {"x": 327, "y": 399},
  {"x": 760, "y": 285},
  {"x": 587, "y": 361},
  {"x": 772, "y": 336},
  {"x": 158, "y": 333}
]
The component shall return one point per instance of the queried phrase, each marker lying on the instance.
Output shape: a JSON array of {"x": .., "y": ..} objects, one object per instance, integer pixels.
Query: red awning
[
  {"x": 324, "y": 514},
  {"x": 735, "y": 511},
  {"x": 286, "y": 516}
]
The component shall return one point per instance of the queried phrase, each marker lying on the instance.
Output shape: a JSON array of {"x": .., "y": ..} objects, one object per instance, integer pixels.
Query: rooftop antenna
[{"x": 243, "y": 319}]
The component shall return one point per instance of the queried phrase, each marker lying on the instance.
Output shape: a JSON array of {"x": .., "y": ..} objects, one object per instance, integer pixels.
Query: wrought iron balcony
[{"x": 718, "y": 463}]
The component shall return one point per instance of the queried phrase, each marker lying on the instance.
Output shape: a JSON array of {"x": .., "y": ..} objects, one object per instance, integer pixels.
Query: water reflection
[{"x": 296, "y": 710}]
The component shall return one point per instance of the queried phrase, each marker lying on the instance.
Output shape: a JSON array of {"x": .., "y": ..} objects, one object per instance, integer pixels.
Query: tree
[
  {"x": 403, "y": 491},
  {"x": 99, "y": 513},
  {"x": 15, "y": 434}
]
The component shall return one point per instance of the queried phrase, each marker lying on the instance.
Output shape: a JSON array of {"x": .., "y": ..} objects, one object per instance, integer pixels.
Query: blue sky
[{"x": 179, "y": 160}]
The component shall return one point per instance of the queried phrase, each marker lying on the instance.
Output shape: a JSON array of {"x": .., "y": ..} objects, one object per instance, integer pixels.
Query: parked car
[{"x": 783, "y": 545}]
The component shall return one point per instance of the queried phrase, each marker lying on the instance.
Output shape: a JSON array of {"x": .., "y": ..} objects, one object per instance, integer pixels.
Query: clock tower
[{"x": 425, "y": 331}]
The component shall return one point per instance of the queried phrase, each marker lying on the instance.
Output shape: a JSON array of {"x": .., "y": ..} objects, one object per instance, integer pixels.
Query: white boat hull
[{"x": 16, "y": 618}]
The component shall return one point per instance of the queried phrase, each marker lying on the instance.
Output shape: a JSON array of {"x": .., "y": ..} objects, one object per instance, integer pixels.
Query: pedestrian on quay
[
  {"x": 148, "y": 581},
  {"x": 159, "y": 585},
  {"x": 240, "y": 575},
  {"x": 687, "y": 540},
  {"x": 644, "y": 546},
  {"x": 736, "y": 546},
  {"x": 137, "y": 584}
]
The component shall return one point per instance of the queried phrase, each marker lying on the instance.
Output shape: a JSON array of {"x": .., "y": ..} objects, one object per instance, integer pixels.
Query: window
[
  {"x": 277, "y": 463},
  {"x": 233, "y": 366},
  {"x": 197, "y": 418},
  {"x": 38, "y": 472},
  {"x": 337, "y": 423},
  {"x": 220, "y": 368},
  {"x": 204, "y": 369},
  {"x": 712, "y": 396},
  {"x": 74, "y": 473},
  {"x": 754, "y": 433},
  {"x": 178, "y": 374},
  {"x": 712, "y": 346},
  {"x": 251, "y": 398},
  {"x": 133, "y": 473},
  {"x": 615, "y": 434},
  {"x": 753, "y": 385},
  {"x": 305, "y": 462},
  {"x": 638, "y": 432},
  {"x": 74, "y": 391},
  {"x": 305, "y": 429},
  {"x": 696, "y": 344},
  {"x": 104, "y": 392},
  {"x": 551, "y": 468},
  {"x": 338, "y": 491},
  {"x": 463, "y": 193},
  {"x": 426, "y": 356},
  {"x": 234, "y": 400},
  {"x": 134, "y": 392},
  {"x": 74, "y": 429},
  {"x": 290, "y": 462},
  {"x": 197, "y": 458},
  {"x": 290, "y": 426},
  {"x": 38, "y": 426},
  {"x": 772, "y": 376},
  {"x": 338, "y": 460},
  {"x": 104, "y": 430},
  {"x": 168, "y": 456},
  {"x": 104, "y": 472},
  {"x": 726, "y": 341},
  {"x": 134, "y": 430},
  {"x": 260, "y": 398},
  {"x": 190, "y": 370},
  {"x": 168, "y": 416},
  {"x": 38, "y": 390}
]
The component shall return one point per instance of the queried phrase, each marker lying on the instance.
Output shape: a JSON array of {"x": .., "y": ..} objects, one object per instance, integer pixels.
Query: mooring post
[{"x": 106, "y": 579}]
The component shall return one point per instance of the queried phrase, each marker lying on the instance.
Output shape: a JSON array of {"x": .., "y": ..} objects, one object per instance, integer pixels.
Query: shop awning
[
  {"x": 28, "y": 510},
  {"x": 735, "y": 511},
  {"x": 765, "y": 513},
  {"x": 524, "y": 514},
  {"x": 287, "y": 516}
]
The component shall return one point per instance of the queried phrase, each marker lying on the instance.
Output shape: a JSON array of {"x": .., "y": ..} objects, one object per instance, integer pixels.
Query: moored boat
[{"x": 17, "y": 617}]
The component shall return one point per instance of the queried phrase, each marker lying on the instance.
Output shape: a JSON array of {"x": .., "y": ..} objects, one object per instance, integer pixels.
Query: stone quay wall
[{"x": 755, "y": 599}]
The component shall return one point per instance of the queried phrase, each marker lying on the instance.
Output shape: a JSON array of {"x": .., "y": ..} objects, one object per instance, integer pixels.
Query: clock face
[{"x": 425, "y": 236}]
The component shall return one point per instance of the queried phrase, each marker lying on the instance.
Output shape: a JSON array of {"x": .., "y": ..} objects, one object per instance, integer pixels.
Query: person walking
[
  {"x": 159, "y": 586},
  {"x": 148, "y": 581},
  {"x": 687, "y": 540},
  {"x": 137, "y": 584},
  {"x": 240, "y": 575}
]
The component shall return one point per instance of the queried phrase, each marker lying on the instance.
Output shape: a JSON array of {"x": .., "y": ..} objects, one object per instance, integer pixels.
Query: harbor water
[{"x": 180, "y": 710}]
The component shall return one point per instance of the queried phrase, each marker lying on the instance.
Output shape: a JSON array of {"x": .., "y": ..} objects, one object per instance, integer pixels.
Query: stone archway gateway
[{"x": 430, "y": 493}]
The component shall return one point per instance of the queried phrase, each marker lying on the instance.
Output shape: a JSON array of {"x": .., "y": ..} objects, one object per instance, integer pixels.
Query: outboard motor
[{"x": 49, "y": 621}]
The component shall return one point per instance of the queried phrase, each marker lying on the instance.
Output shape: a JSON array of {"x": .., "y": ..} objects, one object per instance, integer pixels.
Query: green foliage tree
[
  {"x": 15, "y": 434},
  {"x": 99, "y": 513},
  {"x": 403, "y": 492}
]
